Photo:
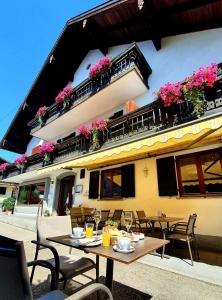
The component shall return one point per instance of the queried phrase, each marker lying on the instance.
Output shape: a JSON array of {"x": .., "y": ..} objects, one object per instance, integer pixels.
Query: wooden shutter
[
  {"x": 94, "y": 185},
  {"x": 128, "y": 181},
  {"x": 166, "y": 173}
]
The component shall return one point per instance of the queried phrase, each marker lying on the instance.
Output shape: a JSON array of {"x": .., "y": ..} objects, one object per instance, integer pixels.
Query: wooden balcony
[
  {"x": 150, "y": 119},
  {"x": 127, "y": 79}
]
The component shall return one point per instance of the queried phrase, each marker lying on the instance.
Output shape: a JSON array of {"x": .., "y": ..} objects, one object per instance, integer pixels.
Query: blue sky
[{"x": 28, "y": 31}]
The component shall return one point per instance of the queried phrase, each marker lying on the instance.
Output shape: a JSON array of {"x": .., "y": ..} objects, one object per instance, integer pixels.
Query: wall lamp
[{"x": 145, "y": 171}]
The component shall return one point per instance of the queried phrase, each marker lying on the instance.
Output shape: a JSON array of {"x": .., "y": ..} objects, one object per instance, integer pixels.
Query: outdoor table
[
  {"x": 166, "y": 220},
  {"x": 142, "y": 248}
]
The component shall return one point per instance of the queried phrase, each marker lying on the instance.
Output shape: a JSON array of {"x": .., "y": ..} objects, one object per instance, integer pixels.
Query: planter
[{"x": 8, "y": 212}]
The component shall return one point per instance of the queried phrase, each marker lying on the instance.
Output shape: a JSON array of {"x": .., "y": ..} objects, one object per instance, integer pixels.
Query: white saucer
[
  {"x": 77, "y": 237},
  {"x": 115, "y": 248}
]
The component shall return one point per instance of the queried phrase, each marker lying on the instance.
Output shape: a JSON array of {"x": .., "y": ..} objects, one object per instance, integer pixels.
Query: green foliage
[
  {"x": 196, "y": 97},
  {"x": 111, "y": 223},
  {"x": 8, "y": 204}
]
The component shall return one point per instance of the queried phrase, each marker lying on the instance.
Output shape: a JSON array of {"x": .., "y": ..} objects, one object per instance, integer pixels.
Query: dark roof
[
  {"x": 114, "y": 23},
  {"x": 2, "y": 160}
]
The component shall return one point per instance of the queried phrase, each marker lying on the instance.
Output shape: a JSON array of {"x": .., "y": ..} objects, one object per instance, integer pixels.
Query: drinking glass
[
  {"x": 89, "y": 230},
  {"x": 128, "y": 220},
  {"x": 97, "y": 218},
  {"x": 106, "y": 238}
]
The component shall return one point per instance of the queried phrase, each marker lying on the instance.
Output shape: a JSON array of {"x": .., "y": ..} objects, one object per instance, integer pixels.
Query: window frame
[
  {"x": 200, "y": 176},
  {"x": 111, "y": 171},
  {"x": 30, "y": 185}
]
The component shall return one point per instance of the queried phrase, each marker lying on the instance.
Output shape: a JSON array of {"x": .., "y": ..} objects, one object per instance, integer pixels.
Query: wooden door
[{"x": 65, "y": 195}]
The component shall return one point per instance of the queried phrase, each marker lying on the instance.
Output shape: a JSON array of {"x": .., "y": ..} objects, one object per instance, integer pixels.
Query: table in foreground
[{"x": 142, "y": 248}]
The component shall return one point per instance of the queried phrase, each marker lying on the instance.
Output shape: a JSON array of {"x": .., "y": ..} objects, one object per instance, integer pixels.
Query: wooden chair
[
  {"x": 69, "y": 265},
  {"x": 87, "y": 213},
  {"x": 76, "y": 216},
  {"x": 135, "y": 224},
  {"x": 184, "y": 231},
  {"x": 117, "y": 216},
  {"x": 14, "y": 281},
  {"x": 142, "y": 220}
]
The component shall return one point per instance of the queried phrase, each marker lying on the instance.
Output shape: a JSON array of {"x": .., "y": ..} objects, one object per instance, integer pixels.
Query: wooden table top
[
  {"x": 142, "y": 248},
  {"x": 161, "y": 219}
]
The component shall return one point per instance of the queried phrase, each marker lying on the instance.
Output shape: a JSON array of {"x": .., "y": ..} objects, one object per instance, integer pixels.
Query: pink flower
[
  {"x": 99, "y": 124},
  {"x": 84, "y": 130},
  {"x": 102, "y": 65},
  {"x": 4, "y": 166},
  {"x": 46, "y": 147},
  {"x": 20, "y": 160},
  {"x": 171, "y": 93},
  {"x": 204, "y": 77},
  {"x": 41, "y": 111},
  {"x": 64, "y": 94}
]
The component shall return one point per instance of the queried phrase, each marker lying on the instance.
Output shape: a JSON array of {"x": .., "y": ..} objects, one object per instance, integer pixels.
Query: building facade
[{"x": 150, "y": 157}]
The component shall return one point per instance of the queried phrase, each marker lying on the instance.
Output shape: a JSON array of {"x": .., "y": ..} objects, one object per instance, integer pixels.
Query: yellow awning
[{"x": 179, "y": 138}]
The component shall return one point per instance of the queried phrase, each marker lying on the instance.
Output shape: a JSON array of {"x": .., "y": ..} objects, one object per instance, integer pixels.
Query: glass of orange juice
[
  {"x": 106, "y": 238},
  {"x": 89, "y": 230}
]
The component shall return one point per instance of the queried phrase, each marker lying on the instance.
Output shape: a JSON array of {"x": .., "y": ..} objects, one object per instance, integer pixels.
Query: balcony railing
[
  {"x": 125, "y": 62},
  {"x": 149, "y": 119}
]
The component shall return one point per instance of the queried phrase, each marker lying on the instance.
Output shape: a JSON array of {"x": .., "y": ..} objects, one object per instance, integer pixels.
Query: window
[
  {"x": 31, "y": 194},
  {"x": 200, "y": 173},
  {"x": 2, "y": 190},
  {"x": 111, "y": 183}
]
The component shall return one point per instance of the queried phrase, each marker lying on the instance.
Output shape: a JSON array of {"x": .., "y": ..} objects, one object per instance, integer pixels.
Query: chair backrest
[
  {"x": 76, "y": 215},
  {"x": 14, "y": 278},
  {"x": 117, "y": 215},
  {"x": 133, "y": 215},
  {"x": 141, "y": 214},
  {"x": 105, "y": 215},
  {"x": 191, "y": 223}
]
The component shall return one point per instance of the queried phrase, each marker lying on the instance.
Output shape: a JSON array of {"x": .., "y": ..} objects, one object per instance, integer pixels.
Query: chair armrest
[
  {"x": 82, "y": 294},
  {"x": 47, "y": 265},
  {"x": 54, "y": 252}
]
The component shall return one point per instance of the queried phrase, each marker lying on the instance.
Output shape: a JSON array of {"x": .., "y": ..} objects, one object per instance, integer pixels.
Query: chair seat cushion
[
  {"x": 179, "y": 236},
  {"x": 54, "y": 295},
  {"x": 71, "y": 265}
]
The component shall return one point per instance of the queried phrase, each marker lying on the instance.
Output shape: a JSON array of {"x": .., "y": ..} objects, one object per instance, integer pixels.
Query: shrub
[{"x": 8, "y": 204}]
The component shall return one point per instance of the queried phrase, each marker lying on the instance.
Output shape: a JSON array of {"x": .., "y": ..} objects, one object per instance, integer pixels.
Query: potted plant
[
  {"x": 8, "y": 205},
  {"x": 97, "y": 127},
  {"x": 20, "y": 162},
  {"x": 100, "y": 71},
  {"x": 196, "y": 84},
  {"x": 46, "y": 150},
  {"x": 64, "y": 97},
  {"x": 41, "y": 114},
  {"x": 3, "y": 168},
  {"x": 84, "y": 130}
]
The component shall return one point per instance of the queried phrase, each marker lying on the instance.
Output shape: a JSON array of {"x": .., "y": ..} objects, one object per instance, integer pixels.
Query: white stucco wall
[
  {"x": 34, "y": 142},
  {"x": 179, "y": 56}
]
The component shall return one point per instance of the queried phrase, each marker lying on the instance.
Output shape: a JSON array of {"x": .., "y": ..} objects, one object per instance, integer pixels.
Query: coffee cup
[
  {"x": 124, "y": 243},
  {"x": 78, "y": 231}
]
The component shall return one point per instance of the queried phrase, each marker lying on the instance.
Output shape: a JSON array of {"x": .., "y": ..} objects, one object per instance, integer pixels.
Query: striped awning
[{"x": 182, "y": 137}]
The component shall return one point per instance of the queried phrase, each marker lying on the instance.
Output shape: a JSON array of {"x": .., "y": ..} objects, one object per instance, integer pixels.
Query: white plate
[
  {"x": 93, "y": 244},
  {"x": 77, "y": 237},
  {"x": 115, "y": 248}
]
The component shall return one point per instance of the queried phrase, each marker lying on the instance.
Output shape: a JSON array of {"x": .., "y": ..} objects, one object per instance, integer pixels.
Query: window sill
[
  {"x": 199, "y": 196},
  {"x": 111, "y": 199}
]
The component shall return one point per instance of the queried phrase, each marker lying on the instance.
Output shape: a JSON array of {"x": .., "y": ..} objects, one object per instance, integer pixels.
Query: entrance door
[{"x": 65, "y": 195}]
